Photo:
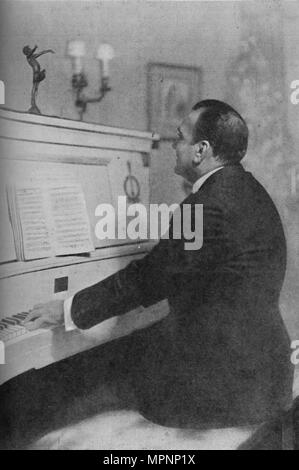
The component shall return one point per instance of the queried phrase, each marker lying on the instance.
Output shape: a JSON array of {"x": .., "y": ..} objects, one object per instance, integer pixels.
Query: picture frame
[
  {"x": 294, "y": 181},
  {"x": 172, "y": 91},
  {"x": 292, "y": 198}
]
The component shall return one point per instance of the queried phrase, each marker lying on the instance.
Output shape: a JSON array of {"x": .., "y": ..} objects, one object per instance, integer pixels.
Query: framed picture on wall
[
  {"x": 294, "y": 172},
  {"x": 292, "y": 199},
  {"x": 172, "y": 91}
]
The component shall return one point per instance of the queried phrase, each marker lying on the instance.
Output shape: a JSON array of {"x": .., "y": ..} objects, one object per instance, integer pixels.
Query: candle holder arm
[{"x": 79, "y": 82}]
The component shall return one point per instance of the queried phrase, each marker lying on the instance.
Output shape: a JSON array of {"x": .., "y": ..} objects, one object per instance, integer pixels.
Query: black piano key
[
  {"x": 16, "y": 319},
  {"x": 19, "y": 318},
  {"x": 9, "y": 321},
  {"x": 3, "y": 325},
  {"x": 18, "y": 315},
  {"x": 23, "y": 314}
]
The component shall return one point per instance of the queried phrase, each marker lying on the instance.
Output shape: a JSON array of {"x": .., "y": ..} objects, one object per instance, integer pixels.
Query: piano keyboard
[
  {"x": 25, "y": 350},
  {"x": 11, "y": 327}
]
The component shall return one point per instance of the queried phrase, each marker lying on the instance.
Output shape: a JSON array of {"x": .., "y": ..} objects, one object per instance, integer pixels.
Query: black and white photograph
[{"x": 149, "y": 218}]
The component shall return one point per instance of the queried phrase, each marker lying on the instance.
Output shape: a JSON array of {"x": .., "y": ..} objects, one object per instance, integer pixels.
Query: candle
[
  {"x": 76, "y": 50},
  {"x": 104, "y": 55}
]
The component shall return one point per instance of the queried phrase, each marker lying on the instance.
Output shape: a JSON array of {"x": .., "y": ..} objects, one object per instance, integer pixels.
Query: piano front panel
[{"x": 26, "y": 350}]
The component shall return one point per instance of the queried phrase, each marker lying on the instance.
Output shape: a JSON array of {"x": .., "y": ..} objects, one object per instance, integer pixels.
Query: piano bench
[{"x": 128, "y": 429}]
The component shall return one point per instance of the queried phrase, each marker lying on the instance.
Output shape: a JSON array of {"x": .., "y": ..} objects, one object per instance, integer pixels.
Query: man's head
[{"x": 212, "y": 135}]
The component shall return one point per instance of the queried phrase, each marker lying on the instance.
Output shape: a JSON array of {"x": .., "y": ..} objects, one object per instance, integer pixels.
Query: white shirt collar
[{"x": 198, "y": 183}]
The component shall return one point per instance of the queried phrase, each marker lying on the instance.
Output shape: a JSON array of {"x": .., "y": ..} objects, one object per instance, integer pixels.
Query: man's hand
[{"x": 45, "y": 315}]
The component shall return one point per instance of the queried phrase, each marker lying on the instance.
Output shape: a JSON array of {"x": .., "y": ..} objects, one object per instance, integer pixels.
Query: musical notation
[{"x": 49, "y": 219}]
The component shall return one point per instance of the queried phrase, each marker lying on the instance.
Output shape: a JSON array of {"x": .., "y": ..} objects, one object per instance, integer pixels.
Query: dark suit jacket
[{"x": 222, "y": 355}]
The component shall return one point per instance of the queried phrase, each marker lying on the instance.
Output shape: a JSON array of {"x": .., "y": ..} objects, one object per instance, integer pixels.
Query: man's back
[{"x": 222, "y": 354}]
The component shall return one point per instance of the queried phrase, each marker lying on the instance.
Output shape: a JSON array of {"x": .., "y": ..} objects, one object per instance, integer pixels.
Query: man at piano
[{"x": 222, "y": 355}]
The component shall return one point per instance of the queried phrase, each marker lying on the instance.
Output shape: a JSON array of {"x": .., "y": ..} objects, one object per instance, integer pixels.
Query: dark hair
[{"x": 224, "y": 128}]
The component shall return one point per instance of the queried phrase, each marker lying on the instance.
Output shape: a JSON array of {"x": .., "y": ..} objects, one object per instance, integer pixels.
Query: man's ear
[
  {"x": 202, "y": 147},
  {"x": 197, "y": 157},
  {"x": 200, "y": 152}
]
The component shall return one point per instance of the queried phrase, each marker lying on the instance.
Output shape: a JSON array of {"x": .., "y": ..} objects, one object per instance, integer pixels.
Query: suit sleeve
[
  {"x": 139, "y": 283},
  {"x": 163, "y": 272}
]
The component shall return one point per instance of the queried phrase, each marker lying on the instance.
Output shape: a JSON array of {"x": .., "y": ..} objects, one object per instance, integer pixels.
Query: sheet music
[
  {"x": 35, "y": 223},
  {"x": 71, "y": 229},
  {"x": 7, "y": 246},
  {"x": 49, "y": 218}
]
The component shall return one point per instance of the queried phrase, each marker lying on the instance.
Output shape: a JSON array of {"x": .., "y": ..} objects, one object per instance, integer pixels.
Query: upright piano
[{"x": 109, "y": 162}]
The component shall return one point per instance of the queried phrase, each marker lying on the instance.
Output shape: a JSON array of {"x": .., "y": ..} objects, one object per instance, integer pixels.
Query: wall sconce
[{"x": 76, "y": 51}]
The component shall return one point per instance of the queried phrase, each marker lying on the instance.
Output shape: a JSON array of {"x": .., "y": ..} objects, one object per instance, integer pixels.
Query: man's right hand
[{"x": 45, "y": 315}]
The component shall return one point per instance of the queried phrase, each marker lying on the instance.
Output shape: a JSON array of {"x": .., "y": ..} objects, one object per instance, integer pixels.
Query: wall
[
  {"x": 189, "y": 33},
  {"x": 192, "y": 34},
  {"x": 291, "y": 73}
]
